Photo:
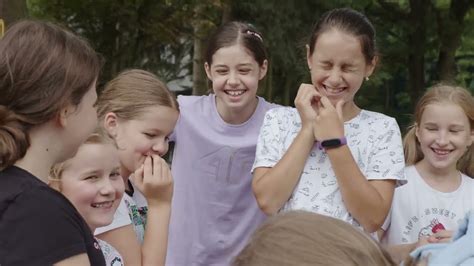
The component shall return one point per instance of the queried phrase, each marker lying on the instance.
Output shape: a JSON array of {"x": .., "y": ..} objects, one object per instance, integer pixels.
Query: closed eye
[{"x": 149, "y": 135}]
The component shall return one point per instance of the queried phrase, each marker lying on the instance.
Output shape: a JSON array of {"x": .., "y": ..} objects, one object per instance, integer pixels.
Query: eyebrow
[{"x": 435, "y": 124}]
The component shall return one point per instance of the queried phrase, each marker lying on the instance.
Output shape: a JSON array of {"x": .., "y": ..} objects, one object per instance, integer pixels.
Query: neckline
[
  {"x": 432, "y": 189},
  {"x": 221, "y": 121}
]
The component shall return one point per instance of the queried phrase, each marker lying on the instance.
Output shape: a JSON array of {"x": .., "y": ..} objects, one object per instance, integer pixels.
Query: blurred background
[{"x": 421, "y": 42}]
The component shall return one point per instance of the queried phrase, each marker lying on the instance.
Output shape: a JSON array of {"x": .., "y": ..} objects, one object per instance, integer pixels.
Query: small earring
[{"x": 367, "y": 78}]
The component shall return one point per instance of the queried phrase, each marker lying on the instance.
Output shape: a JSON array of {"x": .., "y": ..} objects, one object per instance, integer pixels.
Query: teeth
[
  {"x": 441, "y": 152},
  {"x": 107, "y": 204},
  {"x": 333, "y": 90},
  {"x": 235, "y": 93}
]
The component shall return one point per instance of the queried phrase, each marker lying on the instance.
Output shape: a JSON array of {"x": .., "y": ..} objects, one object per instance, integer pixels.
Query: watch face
[{"x": 331, "y": 143}]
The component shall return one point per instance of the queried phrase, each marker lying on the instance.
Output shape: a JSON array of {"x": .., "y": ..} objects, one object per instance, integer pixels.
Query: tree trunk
[
  {"x": 12, "y": 10},
  {"x": 450, "y": 29},
  {"x": 417, "y": 42},
  {"x": 199, "y": 76}
]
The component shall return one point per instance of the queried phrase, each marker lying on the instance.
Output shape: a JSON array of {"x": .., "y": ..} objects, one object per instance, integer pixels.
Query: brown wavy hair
[{"x": 43, "y": 68}]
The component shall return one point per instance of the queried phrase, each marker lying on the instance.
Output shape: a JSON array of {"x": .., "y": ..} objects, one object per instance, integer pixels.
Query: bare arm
[
  {"x": 368, "y": 201},
  {"x": 81, "y": 259},
  {"x": 156, "y": 237},
  {"x": 273, "y": 186},
  {"x": 154, "y": 180}
]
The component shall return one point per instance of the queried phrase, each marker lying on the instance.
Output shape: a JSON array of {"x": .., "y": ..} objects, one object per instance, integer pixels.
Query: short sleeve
[
  {"x": 386, "y": 159},
  {"x": 121, "y": 218},
  {"x": 270, "y": 142},
  {"x": 44, "y": 228}
]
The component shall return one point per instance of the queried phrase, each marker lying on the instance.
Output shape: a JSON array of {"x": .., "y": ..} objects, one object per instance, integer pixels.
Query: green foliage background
[{"x": 158, "y": 35}]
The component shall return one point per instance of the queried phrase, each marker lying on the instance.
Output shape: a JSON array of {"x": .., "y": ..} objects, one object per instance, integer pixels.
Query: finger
[
  {"x": 148, "y": 168},
  {"x": 157, "y": 166},
  {"x": 443, "y": 234},
  {"x": 326, "y": 103},
  {"x": 339, "y": 106}
]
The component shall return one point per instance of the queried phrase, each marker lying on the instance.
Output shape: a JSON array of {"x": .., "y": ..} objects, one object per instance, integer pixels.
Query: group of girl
[{"x": 74, "y": 166}]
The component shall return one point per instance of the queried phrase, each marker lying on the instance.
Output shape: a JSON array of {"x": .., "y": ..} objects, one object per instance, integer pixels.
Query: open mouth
[
  {"x": 441, "y": 152},
  {"x": 330, "y": 91},
  {"x": 234, "y": 93},
  {"x": 103, "y": 205}
]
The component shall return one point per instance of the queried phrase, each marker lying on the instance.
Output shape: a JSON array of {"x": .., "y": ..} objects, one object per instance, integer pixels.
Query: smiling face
[
  {"x": 338, "y": 66},
  {"x": 147, "y": 134},
  {"x": 91, "y": 181},
  {"x": 235, "y": 75},
  {"x": 443, "y": 133}
]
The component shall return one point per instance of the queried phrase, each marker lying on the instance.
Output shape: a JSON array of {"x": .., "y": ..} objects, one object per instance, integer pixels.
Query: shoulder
[
  {"x": 186, "y": 101},
  {"x": 282, "y": 112},
  {"x": 376, "y": 118},
  {"x": 267, "y": 105},
  {"x": 468, "y": 180}
]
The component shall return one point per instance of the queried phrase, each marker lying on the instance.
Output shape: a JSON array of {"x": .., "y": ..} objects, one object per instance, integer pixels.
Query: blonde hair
[
  {"x": 128, "y": 94},
  {"x": 441, "y": 93},
  {"x": 57, "y": 170},
  {"x": 305, "y": 238}
]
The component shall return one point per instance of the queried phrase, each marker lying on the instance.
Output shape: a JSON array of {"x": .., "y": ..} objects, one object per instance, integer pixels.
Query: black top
[{"x": 38, "y": 225}]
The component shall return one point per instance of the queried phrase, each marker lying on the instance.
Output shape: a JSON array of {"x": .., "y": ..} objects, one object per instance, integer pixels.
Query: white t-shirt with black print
[
  {"x": 375, "y": 143},
  {"x": 420, "y": 210}
]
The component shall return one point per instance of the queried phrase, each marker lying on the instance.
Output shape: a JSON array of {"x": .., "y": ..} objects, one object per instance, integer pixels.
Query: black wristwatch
[{"x": 331, "y": 143}]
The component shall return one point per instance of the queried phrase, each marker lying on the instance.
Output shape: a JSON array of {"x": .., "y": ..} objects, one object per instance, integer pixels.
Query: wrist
[{"x": 331, "y": 143}]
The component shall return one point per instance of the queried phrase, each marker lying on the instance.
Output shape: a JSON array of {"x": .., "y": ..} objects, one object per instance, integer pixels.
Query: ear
[
  {"x": 263, "y": 69},
  {"x": 63, "y": 115},
  {"x": 207, "y": 67},
  {"x": 371, "y": 67},
  {"x": 111, "y": 124},
  {"x": 308, "y": 57}
]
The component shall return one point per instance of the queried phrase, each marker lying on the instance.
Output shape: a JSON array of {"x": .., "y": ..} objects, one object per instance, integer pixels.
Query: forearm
[
  {"x": 155, "y": 242},
  {"x": 275, "y": 186},
  {"x": 361, "y": 199}
]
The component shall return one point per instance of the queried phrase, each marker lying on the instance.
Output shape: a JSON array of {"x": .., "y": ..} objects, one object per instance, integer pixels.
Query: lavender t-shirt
[{"x": 214, "y": 210}]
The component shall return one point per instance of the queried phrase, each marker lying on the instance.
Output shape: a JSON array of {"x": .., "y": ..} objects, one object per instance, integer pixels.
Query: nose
[
  {"x": 107, "y": 187},
  {"x": 233, "y": 79},
  {"x": 161, "y": 147},
  {"x": 334, "y": 77},
  {"x": 442, "y": 138}
]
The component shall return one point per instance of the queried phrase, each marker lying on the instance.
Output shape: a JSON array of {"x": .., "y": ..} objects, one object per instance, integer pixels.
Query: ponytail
[
  {"x": 411, "y": 147},
  {"x": 466, "y": 162}
]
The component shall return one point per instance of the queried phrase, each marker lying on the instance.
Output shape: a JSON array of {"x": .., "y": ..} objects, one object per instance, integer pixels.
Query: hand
[
  {"x": 329, "y": 120},
  {"x": 154, "y": 180},
  {"x": 442, "y": 236},
  {"x": 306, "y": 103}
]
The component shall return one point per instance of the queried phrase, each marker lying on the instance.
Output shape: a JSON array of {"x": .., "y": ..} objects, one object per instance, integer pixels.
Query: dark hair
[
  {"x": 42, "y": 69},
  {"x": 237, "y": 33},
  {"x": 348, "y": 21}
]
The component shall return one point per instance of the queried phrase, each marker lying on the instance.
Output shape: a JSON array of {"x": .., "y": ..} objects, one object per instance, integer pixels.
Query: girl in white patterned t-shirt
[
  {"x": 328, "y": 156},
  {"x": 440, "y": 159}
]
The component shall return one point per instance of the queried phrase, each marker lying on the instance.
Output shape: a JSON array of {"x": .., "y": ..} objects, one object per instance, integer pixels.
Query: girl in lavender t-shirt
[{"x": 214, "y": 210}]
